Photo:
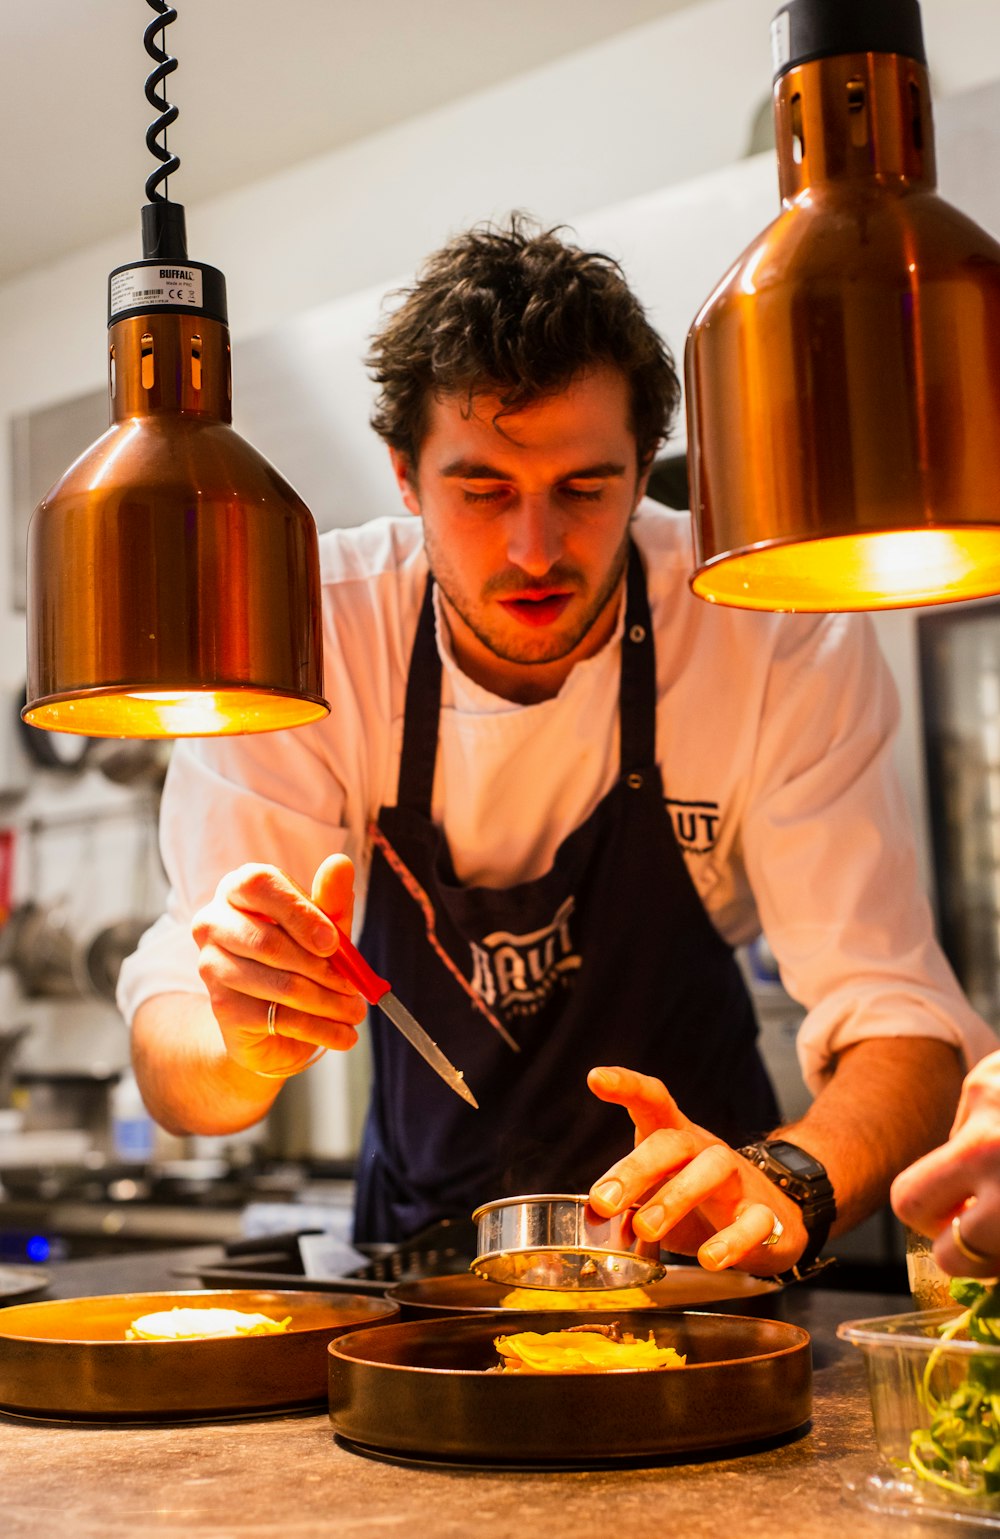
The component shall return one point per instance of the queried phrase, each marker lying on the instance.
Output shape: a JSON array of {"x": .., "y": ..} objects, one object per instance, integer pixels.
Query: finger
[
  {"x": 265, "y": 893},
  {"x": 695, "y": 1183},
  {"x": 647, "y": 1100},
  {"x": 642, "y": 1171},
  {"x": 333, "y": 889},
  {"x": 979, "y": 1229},
  {"x": 927, "y": 1193},
  {"x": 254, "y": 957},
  {"x": 742, "y": 1239},
  {"x": 298, "y": 1026},
  {"x": 294, "y": 1041}
]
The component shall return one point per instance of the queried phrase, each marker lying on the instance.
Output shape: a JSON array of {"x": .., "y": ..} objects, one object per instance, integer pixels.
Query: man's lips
[{"x": 536, "y": 608}]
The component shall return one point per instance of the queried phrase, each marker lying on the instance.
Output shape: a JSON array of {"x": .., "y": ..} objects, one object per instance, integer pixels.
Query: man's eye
[
  {"x": 584, "y": 491},
  {"x": 487, "y": 494}
]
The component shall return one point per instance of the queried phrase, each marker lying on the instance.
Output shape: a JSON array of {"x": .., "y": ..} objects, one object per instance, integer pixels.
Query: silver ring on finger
[
  {"x": 777, "y": 1230},
  {"x": 272, "y": 1011},
  {"x": 964, "y": 1248}
]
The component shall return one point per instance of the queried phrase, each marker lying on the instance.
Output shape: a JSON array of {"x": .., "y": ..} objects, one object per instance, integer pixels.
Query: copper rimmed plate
[
  {"x": 423, "y": 1390},
  {"x": 683, "y": 1287},
  {"x": 69, "y": 1359}
]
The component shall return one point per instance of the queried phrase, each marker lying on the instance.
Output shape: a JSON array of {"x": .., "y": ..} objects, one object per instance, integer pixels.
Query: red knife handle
[{"x": 349, "y": 961}]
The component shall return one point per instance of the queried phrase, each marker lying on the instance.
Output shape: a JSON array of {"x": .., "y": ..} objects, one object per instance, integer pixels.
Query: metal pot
[
  {"x": 558, "y": 1241},
  {"x": 52, "y": 961}
]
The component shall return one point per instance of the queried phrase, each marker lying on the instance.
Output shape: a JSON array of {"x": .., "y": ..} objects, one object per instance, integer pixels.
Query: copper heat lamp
[
  {"x": 843, "y": 380},
  {"x": 173, "y": 575}
]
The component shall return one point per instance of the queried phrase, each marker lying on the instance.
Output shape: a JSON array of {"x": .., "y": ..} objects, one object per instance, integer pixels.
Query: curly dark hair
[{"x": 515, "y": 312}]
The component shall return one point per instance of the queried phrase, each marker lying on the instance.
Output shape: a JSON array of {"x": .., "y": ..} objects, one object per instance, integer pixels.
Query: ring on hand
[
  {"x": 777, "y": 1230},
  {"x": 272, "y": 1011},
  {"x": 963, "y": 1247}
]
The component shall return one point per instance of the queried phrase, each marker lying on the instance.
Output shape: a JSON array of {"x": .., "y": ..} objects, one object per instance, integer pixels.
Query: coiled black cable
[{"x": 168, "y": 113}]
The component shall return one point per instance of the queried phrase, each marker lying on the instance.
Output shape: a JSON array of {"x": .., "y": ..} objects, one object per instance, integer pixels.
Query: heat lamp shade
[
  {"x": 173, "y": 589},
  {"x": 843, "y": 380},
  {"x": 843, "y": 399}
]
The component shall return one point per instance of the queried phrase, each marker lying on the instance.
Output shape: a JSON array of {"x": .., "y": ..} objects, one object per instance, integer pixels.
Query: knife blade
[{"x": 348, "y": 960}]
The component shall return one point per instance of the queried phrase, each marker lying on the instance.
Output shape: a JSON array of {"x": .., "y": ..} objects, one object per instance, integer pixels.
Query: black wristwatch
[{"x": 801, "y": 1177}]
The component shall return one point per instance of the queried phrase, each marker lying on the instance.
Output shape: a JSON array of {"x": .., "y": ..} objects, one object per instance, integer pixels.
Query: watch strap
[{"x": 803, "y": 1178}]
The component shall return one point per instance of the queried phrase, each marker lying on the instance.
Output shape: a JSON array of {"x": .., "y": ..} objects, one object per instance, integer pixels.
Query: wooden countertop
[{"x": 286, "y": 1477}]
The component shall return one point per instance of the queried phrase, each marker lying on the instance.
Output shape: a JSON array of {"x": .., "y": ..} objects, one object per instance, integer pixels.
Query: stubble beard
[{"x": 530, "y": 648}]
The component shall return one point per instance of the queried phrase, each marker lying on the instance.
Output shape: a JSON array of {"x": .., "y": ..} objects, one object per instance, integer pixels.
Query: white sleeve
[
  {"x": 270, "y": 798},
  {"x": 830, "y": 854}
]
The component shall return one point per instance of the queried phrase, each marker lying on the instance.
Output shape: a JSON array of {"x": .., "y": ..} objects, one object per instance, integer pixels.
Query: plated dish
[
  {"x": 427, "y": 1389},
  {"x": 71, "y": 1360}
]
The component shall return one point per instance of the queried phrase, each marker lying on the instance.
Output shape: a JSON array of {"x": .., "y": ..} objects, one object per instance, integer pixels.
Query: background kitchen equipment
[
  {"x": 959, "y": 652},
  {"x": 52, "y": 945},
  {"x": 11, "y": 1038}
]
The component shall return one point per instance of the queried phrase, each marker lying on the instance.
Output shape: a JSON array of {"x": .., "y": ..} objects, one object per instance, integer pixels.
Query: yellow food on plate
[
  {"x": 191, "y": 1324},
  {"x": 576, "y": 1298},
  {"x": 582, "y": 1350}
]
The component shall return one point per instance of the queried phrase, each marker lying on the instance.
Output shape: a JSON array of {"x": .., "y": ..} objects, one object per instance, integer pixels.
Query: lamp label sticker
[
  {"x": 136, "y": 288},
  {"x": 781, "y": 41}
]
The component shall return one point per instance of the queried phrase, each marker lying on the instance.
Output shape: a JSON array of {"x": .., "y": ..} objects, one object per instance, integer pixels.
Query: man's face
[{"x": 526, "y": 527}]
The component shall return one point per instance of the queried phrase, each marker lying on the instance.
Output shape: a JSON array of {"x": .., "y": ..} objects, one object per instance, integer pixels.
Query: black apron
[{"x": 609, "y": 957}]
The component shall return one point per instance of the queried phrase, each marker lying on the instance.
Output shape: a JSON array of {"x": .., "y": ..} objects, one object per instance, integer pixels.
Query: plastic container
[
  {"x": 132, "y": 1130},
  {"x": 912, "y": 1376}
]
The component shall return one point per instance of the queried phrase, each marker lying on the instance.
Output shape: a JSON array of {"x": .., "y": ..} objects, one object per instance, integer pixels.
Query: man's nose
[{"x": 534, "y": 537}]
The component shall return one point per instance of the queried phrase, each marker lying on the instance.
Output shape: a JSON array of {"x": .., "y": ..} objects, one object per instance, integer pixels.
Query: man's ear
[{"x": 405, "y": 480}]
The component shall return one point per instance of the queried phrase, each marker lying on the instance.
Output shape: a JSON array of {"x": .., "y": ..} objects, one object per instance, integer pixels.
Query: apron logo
[
  {"x": 695, "y": 824},
  {"x": 520, "y": 973}
]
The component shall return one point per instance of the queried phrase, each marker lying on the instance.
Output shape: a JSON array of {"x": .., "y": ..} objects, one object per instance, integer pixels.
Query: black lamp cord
[{"x": 163, "y": 232}]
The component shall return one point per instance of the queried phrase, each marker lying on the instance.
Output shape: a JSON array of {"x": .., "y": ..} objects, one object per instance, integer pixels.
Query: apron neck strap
[
  {"x": 423, "y": 708},
  {"x": 637, "y": 704}
]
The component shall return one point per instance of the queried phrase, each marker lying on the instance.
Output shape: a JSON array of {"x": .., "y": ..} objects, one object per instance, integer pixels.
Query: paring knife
[{"x": 377, "y": 991}]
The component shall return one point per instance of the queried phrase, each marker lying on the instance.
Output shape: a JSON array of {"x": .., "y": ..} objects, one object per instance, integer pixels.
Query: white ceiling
[{"x": 260, "y": 85}]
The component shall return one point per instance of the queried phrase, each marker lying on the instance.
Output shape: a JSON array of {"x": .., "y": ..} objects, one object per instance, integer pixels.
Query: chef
[{"x": 553, "y": 793}]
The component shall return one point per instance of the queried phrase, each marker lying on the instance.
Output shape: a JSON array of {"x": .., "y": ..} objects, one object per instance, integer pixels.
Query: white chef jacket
[{"x": 773, "y": 736}]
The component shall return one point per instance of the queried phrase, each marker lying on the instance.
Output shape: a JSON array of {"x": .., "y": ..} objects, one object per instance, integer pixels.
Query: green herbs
[{"x": 960, "y": 1450}]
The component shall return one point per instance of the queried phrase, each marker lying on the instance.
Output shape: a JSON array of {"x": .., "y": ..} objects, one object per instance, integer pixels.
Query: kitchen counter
[{"x": 286, "y": 1477}]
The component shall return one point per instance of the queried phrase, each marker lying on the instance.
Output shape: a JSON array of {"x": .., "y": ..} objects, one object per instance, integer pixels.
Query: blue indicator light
[{"x": 38, "y": 1248}]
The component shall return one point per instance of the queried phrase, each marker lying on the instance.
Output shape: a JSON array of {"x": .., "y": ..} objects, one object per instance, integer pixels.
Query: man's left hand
[{"x": 693, "y": 1193}]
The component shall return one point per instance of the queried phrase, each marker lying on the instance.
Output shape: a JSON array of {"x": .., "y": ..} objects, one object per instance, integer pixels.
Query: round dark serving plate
[
  {"x": 563, "y": 1466},
  {"x": 683, "y": 1287},
  {"x": 423, "y": 1390},
  {"x": 69, "y": 1359}
]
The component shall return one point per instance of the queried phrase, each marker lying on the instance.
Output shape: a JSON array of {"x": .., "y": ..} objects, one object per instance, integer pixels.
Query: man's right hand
[{"x": 262, "y": 940}]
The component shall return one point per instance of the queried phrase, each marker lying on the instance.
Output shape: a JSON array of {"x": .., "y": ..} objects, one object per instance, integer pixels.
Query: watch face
[{"x": 795, "y": 1159}]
